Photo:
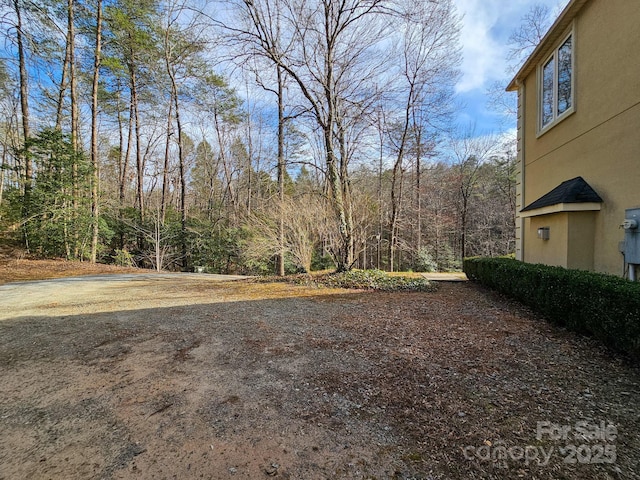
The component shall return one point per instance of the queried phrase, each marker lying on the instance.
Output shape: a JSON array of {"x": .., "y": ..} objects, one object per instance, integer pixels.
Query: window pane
[
  {"x": 547, "y": 92},
  {"x": 564, "y": 77}
]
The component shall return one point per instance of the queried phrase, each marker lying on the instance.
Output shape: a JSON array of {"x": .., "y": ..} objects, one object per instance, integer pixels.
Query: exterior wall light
[{"x": 543, "y": 233}]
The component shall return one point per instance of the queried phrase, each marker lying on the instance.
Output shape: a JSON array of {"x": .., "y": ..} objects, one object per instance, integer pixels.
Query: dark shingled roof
[{"x": 575, "y": 190}]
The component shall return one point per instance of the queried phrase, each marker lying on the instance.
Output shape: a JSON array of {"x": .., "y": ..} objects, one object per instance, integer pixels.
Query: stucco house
[{"x": 579, "y": 139}]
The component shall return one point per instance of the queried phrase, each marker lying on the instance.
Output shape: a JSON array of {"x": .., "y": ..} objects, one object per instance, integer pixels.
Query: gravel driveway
[{"x": 195, "y": 376}]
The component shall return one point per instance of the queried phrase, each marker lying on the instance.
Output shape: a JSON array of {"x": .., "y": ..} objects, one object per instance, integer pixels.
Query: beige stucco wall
[
  {"x": 581, "y": 239},
  {"x": 570, "y": 243},
  {"x": 600, "y": 141},
  {"x": 552, "y": 251}
]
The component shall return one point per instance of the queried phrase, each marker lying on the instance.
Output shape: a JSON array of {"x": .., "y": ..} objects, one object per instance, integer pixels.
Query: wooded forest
[{"x": 245, "y": 136}]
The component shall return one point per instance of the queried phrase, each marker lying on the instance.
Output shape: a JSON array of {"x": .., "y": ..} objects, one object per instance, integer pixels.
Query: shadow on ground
[{"x": 357, "y": 385}]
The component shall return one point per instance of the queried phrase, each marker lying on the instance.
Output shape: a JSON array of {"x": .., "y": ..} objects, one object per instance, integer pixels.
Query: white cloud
[
  {"x": 486, "y": 27},
  {"x": 481, "y": 52}
]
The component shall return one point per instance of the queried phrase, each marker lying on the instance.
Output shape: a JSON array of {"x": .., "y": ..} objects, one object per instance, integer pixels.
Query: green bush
[
  {"x": 425, "y": 261},
  {"x": 358, "y": 279},
  {"x": 123, "y": 258},
  {"x": 374, "y": 280},
  {"x": 604, "y": 306},
  {"x": 320, "y": 261}
]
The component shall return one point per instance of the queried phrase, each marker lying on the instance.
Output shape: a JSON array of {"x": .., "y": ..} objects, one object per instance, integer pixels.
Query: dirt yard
[{"x": 187, "y": 377}]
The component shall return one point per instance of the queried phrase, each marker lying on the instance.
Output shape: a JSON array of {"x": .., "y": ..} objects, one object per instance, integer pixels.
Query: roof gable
[{"x": 575, "y": 190}]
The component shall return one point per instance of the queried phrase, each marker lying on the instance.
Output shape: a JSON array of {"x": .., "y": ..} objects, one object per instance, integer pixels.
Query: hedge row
[{"x": 604, "y": 306}]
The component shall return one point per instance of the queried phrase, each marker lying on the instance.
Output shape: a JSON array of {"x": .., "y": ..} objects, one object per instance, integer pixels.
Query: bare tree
[
  {"x": 325, "y": 41},
  {"x": 281, "y": 166},
  {"x": 429, "y": 58},
  {"x": 527, "y": 36},
  {"x": 470, "y": 152},
  {"x": 301, "y": 231},
  {"x": 522, "y": 41}
]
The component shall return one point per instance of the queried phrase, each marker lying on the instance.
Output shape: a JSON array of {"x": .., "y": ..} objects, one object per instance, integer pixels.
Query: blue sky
[{"x": 486, "y": 27}]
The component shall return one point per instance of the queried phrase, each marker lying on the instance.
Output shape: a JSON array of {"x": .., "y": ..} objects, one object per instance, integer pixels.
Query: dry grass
[{"x": 23, "y": 270}]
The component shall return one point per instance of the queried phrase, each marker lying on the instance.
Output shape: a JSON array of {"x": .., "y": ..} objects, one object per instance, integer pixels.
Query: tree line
[{"x": 257, "y": 136}]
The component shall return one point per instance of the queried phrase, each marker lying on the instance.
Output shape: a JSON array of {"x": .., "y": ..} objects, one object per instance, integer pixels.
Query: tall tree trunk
[
  {"x": 463, "y": 228},
  {"x": 394, "y": 218},
  {"x": 136, "y": 128},
  {"x": 126, "y": 156},
  {"x": 24, "y": 87},
  {"x": 418, "y": 199},
  {"x": 225, "y": 166},
  {"x": 95, "y": 174},
  {"x": 379, "y": 193},
  {"x": 181, "y": 159},
  {"x": 73, "y": 83},
  {"x": 396, "y": 202},
  {"x": 75, "y": 142},
  {"x": 183, "y": 174},
  {"x": 345, "y": 184},
  {"x": 345, "y": 253},
  {"x": 24, "y": 106},
  {"x": 3, "y": 167},
  {"x": 124, "y": 159},
  {"x": 281, "y": 170},
  {"x": 165, "y": 169},
  {"x": 249, "y": 168},
  {"x": 63, "y": 85},
  {"x": 397, "y": 178}
]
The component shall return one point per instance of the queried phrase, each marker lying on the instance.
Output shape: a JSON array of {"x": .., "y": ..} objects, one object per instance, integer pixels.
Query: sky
[{"x": 486, "y": 27}]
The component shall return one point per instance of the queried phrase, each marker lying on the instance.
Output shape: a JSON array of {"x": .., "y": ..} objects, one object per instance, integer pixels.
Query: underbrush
[{"x": 360, "y": 280}]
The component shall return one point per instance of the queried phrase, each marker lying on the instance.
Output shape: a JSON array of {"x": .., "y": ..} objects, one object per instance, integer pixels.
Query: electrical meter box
[{"x": 631, "y": 227}]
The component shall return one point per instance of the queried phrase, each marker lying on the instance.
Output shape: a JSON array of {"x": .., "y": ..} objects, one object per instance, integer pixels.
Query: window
[{"x": 556, "y": 84}]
